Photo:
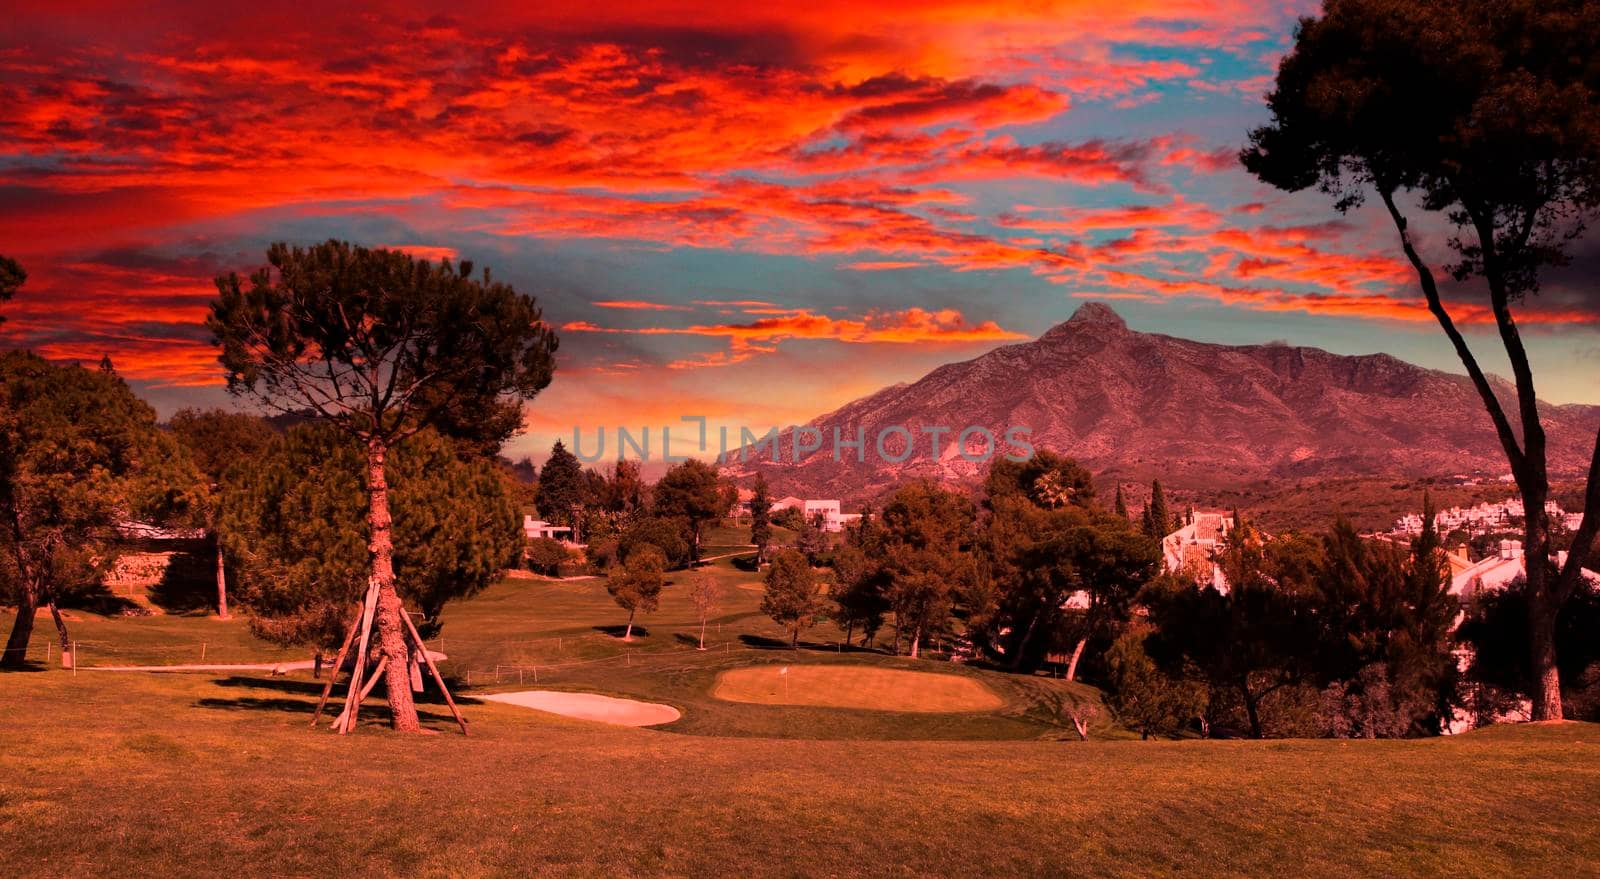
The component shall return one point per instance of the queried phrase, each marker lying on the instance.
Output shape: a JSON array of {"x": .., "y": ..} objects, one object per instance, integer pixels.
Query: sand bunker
[
  {"x": 846, "y": 686},
  {"x": 590, "y": 706}
]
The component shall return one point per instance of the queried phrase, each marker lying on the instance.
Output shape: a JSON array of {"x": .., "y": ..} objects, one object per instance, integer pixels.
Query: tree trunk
[
  {"x": 916, "y": 640},
  {"x": 1545, "y": 687},
  {"x": 628, "y": 634},
  {"x": 1077, "y": 653},
  {"x": 391, "y": 637},
  {"x": 222, "y": 582},
  {"x": 16, "y": 655},
  {"x": 316, "y": 663},
  {"x": 1251, "y": 710},
  {"x": 702, "y": 633},
  {"x": 61, "y": 631},
  {"x": 1027, "y": 637}
]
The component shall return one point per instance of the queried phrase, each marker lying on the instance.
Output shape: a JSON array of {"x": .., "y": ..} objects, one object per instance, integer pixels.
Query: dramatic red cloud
[
  {"x": 142, "y": 154},
  {"x": 912, "y": 325}
]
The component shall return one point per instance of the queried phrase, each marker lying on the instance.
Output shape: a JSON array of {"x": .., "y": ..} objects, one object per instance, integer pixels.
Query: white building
[
  {"x": 1483, "y": 517},
  {"x": 828, "y": 511},
  {"x": 539, "y": 528},
  {"x": 1193, "y": 548},
  {"x": 1503, "y": 569}
]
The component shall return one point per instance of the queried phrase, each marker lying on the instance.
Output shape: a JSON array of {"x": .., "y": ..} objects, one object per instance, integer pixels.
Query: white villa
[
  {"x": 1193, "y": 547},
  {"x": 535, "y": 529},
  {"x": 832, "y": 519}
]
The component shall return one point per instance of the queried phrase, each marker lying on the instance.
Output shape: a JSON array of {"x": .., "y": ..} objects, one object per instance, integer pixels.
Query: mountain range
[{"x": 1134, "y": 405}]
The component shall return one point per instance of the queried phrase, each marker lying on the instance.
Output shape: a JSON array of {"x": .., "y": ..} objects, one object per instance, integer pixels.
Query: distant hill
[{"x": 1135, "y": 405}]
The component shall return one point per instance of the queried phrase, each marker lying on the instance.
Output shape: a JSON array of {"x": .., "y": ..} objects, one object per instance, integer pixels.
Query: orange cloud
[
  {"x": 908, "y": 326},
  {"x": 638, "y": 305}
]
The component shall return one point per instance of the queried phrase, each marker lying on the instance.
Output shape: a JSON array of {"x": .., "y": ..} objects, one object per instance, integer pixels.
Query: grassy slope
[
  {"x": 197, "y": 775},
  {"x": 206, "y": 773}
]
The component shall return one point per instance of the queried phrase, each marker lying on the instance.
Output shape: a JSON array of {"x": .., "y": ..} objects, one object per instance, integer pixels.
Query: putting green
[{"x": 845, "y": 686}]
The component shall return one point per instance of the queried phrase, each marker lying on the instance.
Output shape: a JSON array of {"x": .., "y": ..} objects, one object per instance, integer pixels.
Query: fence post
[
  {"x": 75, "y": 655},
  {"x": 202, "y": 651},
  {"x": 536, "y": 674},
  {"x": 519, "y": 675}
]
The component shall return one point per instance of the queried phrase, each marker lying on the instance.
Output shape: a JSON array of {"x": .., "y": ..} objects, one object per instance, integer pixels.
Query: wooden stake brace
[{"x": 367, "y": 649}]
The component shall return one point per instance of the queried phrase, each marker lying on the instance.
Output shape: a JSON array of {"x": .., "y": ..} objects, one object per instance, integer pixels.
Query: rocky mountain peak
[{"x": 1090, "y": 316}]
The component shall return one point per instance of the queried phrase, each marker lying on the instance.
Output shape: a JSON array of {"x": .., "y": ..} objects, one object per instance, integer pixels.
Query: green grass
[
  {"x": 201, "y": 775},
  {"x": 206, "y": 774},
  {"x": 152, "y": 640},
  {"x": 855, "y": 686}
]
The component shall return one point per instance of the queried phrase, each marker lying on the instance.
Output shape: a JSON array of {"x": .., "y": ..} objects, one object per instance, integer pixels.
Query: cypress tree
[
  {"x": 1160, "y": 518},
  {"x": 760, "y": 518}
]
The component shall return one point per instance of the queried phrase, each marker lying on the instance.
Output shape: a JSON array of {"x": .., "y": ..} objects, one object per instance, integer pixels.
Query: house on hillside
[
  {"x": 788, "y": 502},
  {"x": 535, "y": 529},
  {"x": 1504, "y": 569},
  {"x": 827, "y": 511},
  {"x": 1191, "y": 550}
]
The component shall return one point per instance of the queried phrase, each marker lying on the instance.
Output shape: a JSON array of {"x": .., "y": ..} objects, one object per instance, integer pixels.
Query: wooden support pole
[
  {"x": 338, "y": 664},
  {"x": 437, "y": 678},
  {"x": 352, "y": 700},
  {"x": 348, "y": 717}
]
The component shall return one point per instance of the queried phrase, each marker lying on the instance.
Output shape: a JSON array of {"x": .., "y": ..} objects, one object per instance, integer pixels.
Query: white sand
[{"x": 590, "y": 706}]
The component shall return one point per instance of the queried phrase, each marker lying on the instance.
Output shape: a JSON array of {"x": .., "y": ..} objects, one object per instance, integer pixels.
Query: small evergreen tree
[
  {"x": 1157, "y": 520},
  {"x": 812, "y": 541},
  {"x": 791, "y": 598},
  {"x": 561, "y": 488},
  {"x": 637, "y": 587},
  {"x": 1122, "y": 503},
  {"x": 760, "y": 518}
]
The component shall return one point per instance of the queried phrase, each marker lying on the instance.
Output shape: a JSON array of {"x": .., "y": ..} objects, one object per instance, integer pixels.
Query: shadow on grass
[
  {"x": 310, "y": 690},
  {"x": 373, "y": 713},
  {"x": 100, "y": 600},
  {"x": 761, "y": 642},
  {"x": 639, "y": 630}
]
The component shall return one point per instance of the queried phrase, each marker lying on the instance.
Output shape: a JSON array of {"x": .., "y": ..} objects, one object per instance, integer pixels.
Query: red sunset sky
[{"x": 753, "y": 212}]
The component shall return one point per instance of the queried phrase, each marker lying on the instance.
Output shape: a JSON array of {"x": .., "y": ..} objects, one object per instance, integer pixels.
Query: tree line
[{"x": 1326, "y": 633}]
